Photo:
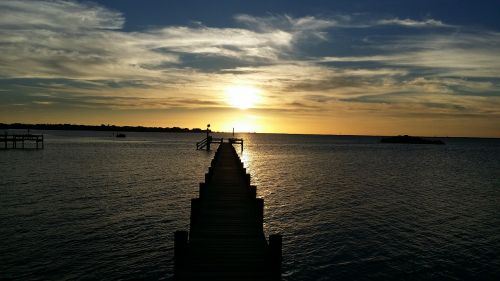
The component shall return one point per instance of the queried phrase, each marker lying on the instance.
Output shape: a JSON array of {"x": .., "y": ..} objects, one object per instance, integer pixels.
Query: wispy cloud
[
  {"x": 57, "y": 14},
  {"x": 228, "y": 42},
  {"x": 80, "y": 41},
  {"x": 43, "y": 102},
  {"x": 412, "y": 23},
  {"x": 285, "y": 22},
  {"x": 467, "y": 54}
]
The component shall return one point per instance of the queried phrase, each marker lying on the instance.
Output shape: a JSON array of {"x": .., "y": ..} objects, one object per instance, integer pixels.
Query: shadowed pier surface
[{"x": 226, "y": 239}]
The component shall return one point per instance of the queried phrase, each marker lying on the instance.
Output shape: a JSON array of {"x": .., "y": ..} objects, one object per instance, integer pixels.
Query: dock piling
[
  {"x": 180, "y": 246},
  {"x": 275, "y": 245},
  {"x": 195, "y": 209}
]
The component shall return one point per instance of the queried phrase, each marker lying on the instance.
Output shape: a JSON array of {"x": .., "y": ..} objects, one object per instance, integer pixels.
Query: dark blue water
[{"x": 89, "y": 206}]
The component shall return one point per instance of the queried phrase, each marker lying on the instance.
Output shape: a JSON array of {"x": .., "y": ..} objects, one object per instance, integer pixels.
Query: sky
[{"x": 428, "y": 68}]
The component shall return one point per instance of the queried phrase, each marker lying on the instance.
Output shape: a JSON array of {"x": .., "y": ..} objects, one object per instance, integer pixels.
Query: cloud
[
  {"x": 77, "y": 54},
  {"x": 317, "y": 24},
  {"x": 229, "y": 42},
  {"x": 48, "y": 39},
  {"x": 43, "y": 102},
  {"x": 412, "y": 23},
  {"x": 60, "y": 15},
  {"x": 471, "y": 54},
  {"x": 286, "y": 22},
  {"x": 302, "y": 28},
  {"x": 461, "y": 55},
  {"x": 117, "y": 100}
]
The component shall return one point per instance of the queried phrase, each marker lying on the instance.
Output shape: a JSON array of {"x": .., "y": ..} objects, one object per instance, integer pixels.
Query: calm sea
[{"x": 90, "y": 206}]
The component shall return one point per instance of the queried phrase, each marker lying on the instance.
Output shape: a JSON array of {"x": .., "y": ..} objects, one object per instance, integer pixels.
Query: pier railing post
[
  {"x": 275, "y": 245},
  {"x": 247, "y": 179},
  {"x": 195, "y": 209},
  {"x": 209, "y": 141},
  {"x": 180, "y": 245},
  {"x": 253, "y": 191},
  {"x": 260, "y": 212},
  {"x": 203, "y": 190}
]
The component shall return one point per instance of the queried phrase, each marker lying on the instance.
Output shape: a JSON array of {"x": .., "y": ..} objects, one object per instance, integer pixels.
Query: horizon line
[{"x": 199, "y": 130}]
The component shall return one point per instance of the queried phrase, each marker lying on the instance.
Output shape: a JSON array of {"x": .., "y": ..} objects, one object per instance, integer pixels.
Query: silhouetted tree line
[{"x": 102, "y": 127}]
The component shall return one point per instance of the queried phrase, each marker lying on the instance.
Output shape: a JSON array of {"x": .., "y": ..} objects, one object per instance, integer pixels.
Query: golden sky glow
[{"x": 338, "y": 72}]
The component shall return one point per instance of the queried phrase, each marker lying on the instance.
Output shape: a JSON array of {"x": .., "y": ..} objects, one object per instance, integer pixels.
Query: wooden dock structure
[
  {"x": 19, "y": 141},
  {"x": 226, "y": 240},
  {"x": 207, "y": 142}
]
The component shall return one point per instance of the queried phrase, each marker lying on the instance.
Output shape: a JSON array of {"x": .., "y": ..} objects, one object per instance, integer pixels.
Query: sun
[{"x": 242, "y": 97}]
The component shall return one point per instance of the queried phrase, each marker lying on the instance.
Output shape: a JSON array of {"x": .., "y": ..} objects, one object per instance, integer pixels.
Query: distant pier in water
[
  {"x": 22, "y": 141},
  {"x": 226, "y": 240}
]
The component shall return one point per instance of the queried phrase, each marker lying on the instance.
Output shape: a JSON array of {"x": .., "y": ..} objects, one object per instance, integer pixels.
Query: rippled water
[{"x": 89, "y": 206}]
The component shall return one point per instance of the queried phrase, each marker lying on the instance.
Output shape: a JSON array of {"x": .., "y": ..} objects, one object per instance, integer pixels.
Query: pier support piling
[
  {"x": 180, "y": 246},
  {"x": 275, "y": 245},
  {"x": 259, "y": 204},
  {"x": 195, "y": 209}
]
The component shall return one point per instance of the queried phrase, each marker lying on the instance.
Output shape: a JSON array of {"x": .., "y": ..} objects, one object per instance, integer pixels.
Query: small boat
[
  {"x": 410, "y": 140},
  {"x": 120, "y": 135}
]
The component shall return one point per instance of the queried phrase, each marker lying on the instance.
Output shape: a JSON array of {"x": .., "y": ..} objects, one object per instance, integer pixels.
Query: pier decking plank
[{"x": 226, "y": 238}]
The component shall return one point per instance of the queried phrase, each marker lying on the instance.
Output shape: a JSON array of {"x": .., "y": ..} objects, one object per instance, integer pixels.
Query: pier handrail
[
  {"x": 206, "y": 141},
  {"x": 219, "y": 140},
  {"x": 201, "y": 143}
]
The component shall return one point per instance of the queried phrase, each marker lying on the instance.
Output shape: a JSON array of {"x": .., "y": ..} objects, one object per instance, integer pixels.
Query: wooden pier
[
  {"x": 226, "y": 240},
  {"x": 19, "y": 141},
  {"x": 206, "y": 142}
]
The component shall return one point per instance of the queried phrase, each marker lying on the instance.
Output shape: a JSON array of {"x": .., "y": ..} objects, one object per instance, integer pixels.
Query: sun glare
[
  {"x": 243, "y": 124},
  {"x": 242, "y": 97}
]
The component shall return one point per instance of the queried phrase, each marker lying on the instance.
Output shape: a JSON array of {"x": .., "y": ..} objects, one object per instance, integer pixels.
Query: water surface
[{"x": 90, "y": 206}]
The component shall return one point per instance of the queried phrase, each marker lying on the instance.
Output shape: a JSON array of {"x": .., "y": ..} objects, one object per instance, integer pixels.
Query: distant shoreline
[
  {"x": 114, "y": 128},
  {"x": 103, "y": 127}
]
